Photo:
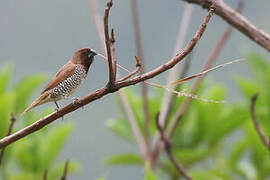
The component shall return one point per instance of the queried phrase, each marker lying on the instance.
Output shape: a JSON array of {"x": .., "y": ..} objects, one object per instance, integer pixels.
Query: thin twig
[
  {"x": 265, "y": 141},
  {"x": 139, "y": 48},
  {"x": 238, "y": 21},
  {"x": 174, "y": 72},
  {"x": 11, "y": 125},
  {"x": 195, "y": 86},
  {"x": 108, "y": 42},
  {"x": 64, "y": 176},
  {"x": 97, "y": 20},
  {"x": 127, "y": 109},
  {"x": 138, "y": 66},
  {"x": 107, "y": 90},
  {"x": 186, "y": 66},
  {"x": 134, "y": 127},
  {"x": 203, "y": 73},
  {"x": 168, "y": 148},
  {"x": 45, "y": 174},
  {"x": 158, "y": 144},
  {"x": 113, "y": 54}
]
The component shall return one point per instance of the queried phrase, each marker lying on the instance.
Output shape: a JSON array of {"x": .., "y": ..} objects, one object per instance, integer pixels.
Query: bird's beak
[{"x": 92, "y": 53}]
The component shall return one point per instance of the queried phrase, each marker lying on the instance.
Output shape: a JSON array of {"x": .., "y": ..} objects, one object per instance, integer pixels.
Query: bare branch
[
  {"x": 11, "y": 125},
  {"x": 265, "y": 141},
  {"x": 64, "y": 176},
  {"x": 196, "y": 85},
  {"x": 173, "y": 73},
  {"x": 179, "y": 57},
  {"x": 127, "y": 109},
  {"x": 45, "y": 174},
  {"x": 106, "y": 90},
  {"x": 97, "y": 20},
  {"x": 238, "y": 21},
  {"x": 203, "y": 73},
  {"x": 168, "y": 148},
  {"x": 139, "y": 48},
  {"x": 134, "y": 127},
  {"x": 138, "y": 67},
  {"x": 113, "y": 55},
  {"x": 108, "y": 42}
]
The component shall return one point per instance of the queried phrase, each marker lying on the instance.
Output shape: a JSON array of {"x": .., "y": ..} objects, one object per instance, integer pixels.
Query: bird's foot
[
  {"x": 76, "y": 100},
  {"x": 57, "y": 106},
  {"x": 57, "y": 109}
]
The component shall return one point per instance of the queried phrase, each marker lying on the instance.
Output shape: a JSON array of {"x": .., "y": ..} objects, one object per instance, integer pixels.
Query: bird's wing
[{"x": 66, "y": 71}]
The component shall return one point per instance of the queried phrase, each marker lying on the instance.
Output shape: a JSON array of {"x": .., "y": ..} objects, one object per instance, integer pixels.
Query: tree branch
[
  {"x": 113, "y": 51},
  {"x": 178, "y": 115},
  {"x": 45, "y": 174},
  {"x": 108, "y": 43},
  {"x": 265, "y": 141},
  {"x": 126, "y": 107},
  {"x": 139, "y": 48},
  {"x": 108, "y": 89},
  {"x": 195, "y": 86},
  {"x": 174, "y": 72},
  {"x": 132, "y": 121},
  {"x": 64, "y": 176},
  {"x": 168, "y": 148},
  {"x": 11, "y": 125},
  {"x": 97, "y": 20},
  {"x": 238, "y": 21},
  {"x": 138, "y": 67}
]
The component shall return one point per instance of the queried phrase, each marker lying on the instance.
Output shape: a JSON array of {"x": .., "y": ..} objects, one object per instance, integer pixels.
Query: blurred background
[{"x": 40, "y": 36}]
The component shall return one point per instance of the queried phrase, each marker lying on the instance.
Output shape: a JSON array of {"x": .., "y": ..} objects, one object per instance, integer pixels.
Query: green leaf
[
  {"x": 24, "y": 156},
  {"x": 236, "y": 156},
  {"x": 149, "y": 175},
  {"x": 25, "y": 88},
  {"x": 6, "y": 106},
  {"x": 259, "y": 152},
  {"x": 229, "y": 120},
  {"x": 203, "y": 175},
  {"x": 52, "y": 143},
  {"x": 5, "y": 78},
  {"x": 121, "y": 127},
  {"x": 102, "y": 178},
  {"x": 57, "y": 171},
  {"x": 259, "y": 65},
  {"x": 25, "y": 176},
  {"x": 247, "y": 87},
  {"x": 192, "y": 155},
  {"x": 136, "y": 104},
  {"x": 124, "y": 159}
]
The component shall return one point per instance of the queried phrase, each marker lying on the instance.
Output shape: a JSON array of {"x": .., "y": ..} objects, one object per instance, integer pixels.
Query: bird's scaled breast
[{"x": 69, "y": 85}]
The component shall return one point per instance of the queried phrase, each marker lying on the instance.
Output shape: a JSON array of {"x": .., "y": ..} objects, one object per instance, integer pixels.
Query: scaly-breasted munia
[{"x": 68, "y": 78}]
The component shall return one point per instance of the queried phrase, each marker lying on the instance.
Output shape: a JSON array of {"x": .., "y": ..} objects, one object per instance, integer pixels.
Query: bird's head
[{"x": 84, "y": 56}]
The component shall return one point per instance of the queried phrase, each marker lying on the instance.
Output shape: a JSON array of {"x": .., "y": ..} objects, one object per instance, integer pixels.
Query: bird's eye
[{"x": 92, "y": 54}]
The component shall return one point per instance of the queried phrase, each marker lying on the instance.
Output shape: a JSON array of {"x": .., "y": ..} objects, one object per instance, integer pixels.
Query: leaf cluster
[{"x": 28, "y": 158}]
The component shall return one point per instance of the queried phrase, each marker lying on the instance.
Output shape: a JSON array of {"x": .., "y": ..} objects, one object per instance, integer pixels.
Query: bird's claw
[{"x": 76, "y": 101}]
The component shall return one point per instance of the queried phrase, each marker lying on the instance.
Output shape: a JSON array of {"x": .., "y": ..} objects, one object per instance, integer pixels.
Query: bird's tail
[{"x": 40, "y": 100}]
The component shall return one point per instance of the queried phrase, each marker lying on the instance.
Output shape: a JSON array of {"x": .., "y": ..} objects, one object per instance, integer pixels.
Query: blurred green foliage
[
  {"x": 28, "y": 158},
  {"x": 212, "y": 141}
]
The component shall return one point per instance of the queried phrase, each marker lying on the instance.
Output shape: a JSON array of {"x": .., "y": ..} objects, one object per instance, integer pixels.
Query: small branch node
[{"x": 112, "y": 36}]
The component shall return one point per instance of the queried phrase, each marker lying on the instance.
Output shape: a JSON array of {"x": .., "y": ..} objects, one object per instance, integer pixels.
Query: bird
[{"x": 67, "y": 80}]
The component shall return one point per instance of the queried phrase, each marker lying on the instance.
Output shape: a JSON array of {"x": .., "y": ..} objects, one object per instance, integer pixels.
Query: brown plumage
[{"x": 67, "y": 79}]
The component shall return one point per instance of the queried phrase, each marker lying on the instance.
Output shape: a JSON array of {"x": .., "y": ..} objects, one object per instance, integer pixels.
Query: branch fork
[{"x": 112, "y": 85}]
